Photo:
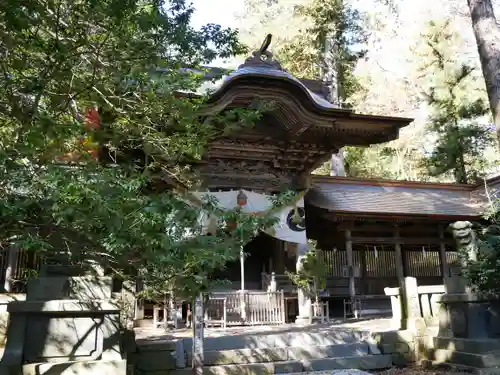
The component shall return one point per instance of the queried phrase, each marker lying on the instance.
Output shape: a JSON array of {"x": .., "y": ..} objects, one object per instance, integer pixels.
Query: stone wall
[
  {"x": 66, "y": 325},
  {"x": 4, "y": 315},
  {"x": 407, "y": 346}
]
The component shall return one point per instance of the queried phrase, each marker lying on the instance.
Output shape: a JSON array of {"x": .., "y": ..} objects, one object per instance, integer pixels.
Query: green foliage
[
  {"x": 60, "y": 58},
  {"x": 312, "y": 273},
  {"x": 340, "y": 22},
  {"x": 483, "y": 273},
  {"x": 305, "y": 55},
  {"x": 456, "y": 111}
]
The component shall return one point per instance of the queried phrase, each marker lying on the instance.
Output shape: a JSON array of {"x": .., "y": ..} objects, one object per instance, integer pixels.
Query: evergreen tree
[{"x": 457, "y": 110}]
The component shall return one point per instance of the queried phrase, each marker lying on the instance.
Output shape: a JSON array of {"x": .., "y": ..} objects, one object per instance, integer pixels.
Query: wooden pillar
[
  {"x": 350, "y": 266},
  {"x": 364, "y": 283},
  {"x": 280, "y": 266},
  {"x": 400, "y": 274},
  {"x": 442, "y": 254},
  {"x": 139, "y": 307}
]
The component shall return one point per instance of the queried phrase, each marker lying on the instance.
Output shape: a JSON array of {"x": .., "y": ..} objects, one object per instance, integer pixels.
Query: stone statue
[{"x": 466, "y": 239}]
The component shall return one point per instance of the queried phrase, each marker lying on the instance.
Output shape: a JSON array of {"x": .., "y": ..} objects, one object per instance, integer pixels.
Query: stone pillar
[
  {"x": 273, "y": 287},
  {"x": 12, "y": 258},
  {"x": 198, "y": 334},
  {"x": 350, "y": 267},
  {"x": 411, "y": 305},
  {"x": 397, "y": 313},
  {"x": 304, "y": 301}
]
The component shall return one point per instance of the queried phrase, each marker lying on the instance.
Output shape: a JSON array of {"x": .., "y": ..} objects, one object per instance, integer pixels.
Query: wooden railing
[{"x": 260, "y": 308}]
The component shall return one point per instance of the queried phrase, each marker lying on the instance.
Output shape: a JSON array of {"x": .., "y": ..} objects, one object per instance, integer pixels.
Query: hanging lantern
[
  {"x": 232, "y": 225},
  {"x": 241, "y": 199},
  {"x": 92, "y": 119}
]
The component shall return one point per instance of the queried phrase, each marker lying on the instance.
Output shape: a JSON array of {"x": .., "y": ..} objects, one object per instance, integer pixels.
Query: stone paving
[
  {"x": 333, "y": 372},
  {"x": 371, "y": 325}
]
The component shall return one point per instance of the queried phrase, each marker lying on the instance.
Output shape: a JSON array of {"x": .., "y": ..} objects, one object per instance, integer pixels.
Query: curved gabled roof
[
  {"x": 262, "y": 78},
  {"x": 271, "y": 73}
]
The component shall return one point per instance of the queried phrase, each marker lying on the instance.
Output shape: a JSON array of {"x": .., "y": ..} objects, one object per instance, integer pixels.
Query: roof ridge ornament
[{"x": 262, "y": 57}]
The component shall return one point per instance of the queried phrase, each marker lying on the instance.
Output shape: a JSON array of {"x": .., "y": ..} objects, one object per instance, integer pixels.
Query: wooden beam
[
  {"x": 401, "y": 240},
  {"x": 414, "y": 228},
  {"x": 345, "y": 226},
  {"x": 422, "y": 218}
]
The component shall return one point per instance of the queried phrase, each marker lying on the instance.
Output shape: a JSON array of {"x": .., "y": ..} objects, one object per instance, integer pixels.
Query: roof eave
[{"x": 406, "y": 215}]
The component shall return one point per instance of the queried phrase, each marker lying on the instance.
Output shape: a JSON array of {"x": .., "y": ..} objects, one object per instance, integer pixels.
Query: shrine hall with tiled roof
[{"x": 399, "y": 198}]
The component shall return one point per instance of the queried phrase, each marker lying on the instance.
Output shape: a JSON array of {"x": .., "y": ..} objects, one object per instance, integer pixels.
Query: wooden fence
[
  {"x": 375, "y": 266},
  {"x": 261, "y": 308},
  {"x": 16, "y": 268}
]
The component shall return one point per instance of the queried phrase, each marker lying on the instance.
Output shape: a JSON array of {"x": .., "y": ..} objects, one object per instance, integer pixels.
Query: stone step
[
  {"x": 262, "y": 355},
  {"x": 467, "y": 359},
  {"x": 367, "y": 362},
  {"x": 453, "y": 367},
  {"x": 467, "y": 345},
  {"x": 314, "y": 337}
]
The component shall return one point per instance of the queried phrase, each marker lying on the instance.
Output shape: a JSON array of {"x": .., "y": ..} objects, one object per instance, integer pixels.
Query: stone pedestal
[
  {"x": 468, "y": 316},
  {"x": 304, "y": 301},
  {"x": 67, "y": 325}
]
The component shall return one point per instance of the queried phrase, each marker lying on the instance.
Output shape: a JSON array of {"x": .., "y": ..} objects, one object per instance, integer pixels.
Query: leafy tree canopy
[{"x": 92, "y": 124}]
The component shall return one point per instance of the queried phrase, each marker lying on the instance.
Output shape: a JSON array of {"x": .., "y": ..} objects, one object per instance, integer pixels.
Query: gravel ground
[{"x": 417, "y": 371}]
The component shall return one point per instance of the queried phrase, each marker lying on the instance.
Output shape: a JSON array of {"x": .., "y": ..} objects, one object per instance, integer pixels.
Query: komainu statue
[{"x": 466, "y": 239}]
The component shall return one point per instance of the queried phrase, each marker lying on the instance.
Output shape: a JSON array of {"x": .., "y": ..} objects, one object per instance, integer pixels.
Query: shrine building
[{"x": 371, "y": 233}]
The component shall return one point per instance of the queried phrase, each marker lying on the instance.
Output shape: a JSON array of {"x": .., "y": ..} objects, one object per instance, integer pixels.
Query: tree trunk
[
  {"x": 331, "y": 84},
  {"x": 487, "y": 35}
]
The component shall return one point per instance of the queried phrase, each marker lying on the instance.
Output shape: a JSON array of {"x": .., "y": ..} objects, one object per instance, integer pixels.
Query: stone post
[
  {"x": 304, "y": 301},
  {"x": 198, "y": 333},
  {"x": 273, "y": 287},
  {"x": 12, "y": 258},
  {"x": 413, "y": 318}
]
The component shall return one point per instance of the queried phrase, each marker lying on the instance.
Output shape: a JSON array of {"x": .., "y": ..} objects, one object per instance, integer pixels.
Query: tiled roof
[{"x": 389, "y": 197}]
